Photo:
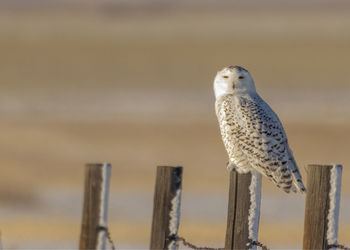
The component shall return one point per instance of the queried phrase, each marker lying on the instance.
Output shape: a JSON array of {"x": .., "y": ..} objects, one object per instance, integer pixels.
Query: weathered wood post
[
  {"x": 243, "y": 210},
  {"x": 322, "y": 206},
  {"x": 94, "y": 222},
  {"x": 166, "y": 207}
]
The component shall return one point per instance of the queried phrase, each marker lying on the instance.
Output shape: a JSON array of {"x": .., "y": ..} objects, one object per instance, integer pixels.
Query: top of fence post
[
  {"x": 94, "y": 222},
  {"x": 322, "y": 206},
  {"x": 243, "y": 210},
  {"x": 166, "y": 207}
]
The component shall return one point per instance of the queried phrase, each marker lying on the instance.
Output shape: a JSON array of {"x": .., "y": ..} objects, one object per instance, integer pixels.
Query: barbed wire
[
  {"x": 192, "y": 246},
  {"x": 108, "y": 234},
  {"x": 339, "y": 246},
  {"x": 110, "y": 239},
  {"x": 257, "y": 243}
]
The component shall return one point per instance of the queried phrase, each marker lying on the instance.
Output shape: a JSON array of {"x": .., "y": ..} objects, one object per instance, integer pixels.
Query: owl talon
[{"x": 230, "y": 166}]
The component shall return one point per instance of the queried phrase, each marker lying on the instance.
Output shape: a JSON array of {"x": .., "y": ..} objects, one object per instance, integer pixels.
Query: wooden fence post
[
  {"x": 94, "y": 222},
  {"x": 166, "y": 207},
  {"x": 322, "y": 206},
  {"x": 243, "y": 210}
]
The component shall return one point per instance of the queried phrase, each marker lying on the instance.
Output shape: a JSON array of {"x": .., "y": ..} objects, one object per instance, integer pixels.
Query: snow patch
[
  {"x": 175, "y": 217},
  {"x": 334, "y": 203},
  {"x": 254, "y": 209},
  {"x": 101, "y": 237}
]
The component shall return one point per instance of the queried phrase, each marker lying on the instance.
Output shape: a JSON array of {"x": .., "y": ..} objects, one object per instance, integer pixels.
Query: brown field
[
  {"x": 56, "y": 152},
  {"x": 132, "y": 85}
]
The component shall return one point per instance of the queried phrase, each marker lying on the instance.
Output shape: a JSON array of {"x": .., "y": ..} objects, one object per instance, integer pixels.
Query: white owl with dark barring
[{"x": 251, "y": 131}]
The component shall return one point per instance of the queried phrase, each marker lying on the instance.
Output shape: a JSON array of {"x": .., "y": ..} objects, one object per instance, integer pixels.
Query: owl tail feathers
[{"x": 297, "y": 186}]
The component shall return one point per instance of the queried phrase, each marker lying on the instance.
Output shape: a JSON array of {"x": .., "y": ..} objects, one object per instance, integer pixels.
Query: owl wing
[{"x": 259, "y": 135}]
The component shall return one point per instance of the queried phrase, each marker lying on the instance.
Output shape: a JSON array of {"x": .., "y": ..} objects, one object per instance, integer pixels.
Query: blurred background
[{"x": 130, "y": 82}]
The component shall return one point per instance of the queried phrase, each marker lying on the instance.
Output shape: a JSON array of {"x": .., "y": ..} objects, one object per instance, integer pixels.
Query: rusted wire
[
  {"x": 108, "y": 234},
  {"x": 338, "y": 246},
  {"x": 110, "y": 238},
  {"x": 192, "y": 246},
  {"x": 258, "y": 243}
]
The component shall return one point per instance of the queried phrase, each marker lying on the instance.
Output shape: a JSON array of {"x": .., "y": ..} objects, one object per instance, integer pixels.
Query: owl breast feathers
[{"x": 255, "y": 140}]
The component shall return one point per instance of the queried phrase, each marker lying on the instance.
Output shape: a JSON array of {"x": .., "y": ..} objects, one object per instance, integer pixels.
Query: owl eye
[
  {"x": 225, "y": 76},
  {"x": 240, "y": 77}
]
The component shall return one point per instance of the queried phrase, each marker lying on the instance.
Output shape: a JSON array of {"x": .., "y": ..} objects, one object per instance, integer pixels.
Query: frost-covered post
[
  {"x": 322, "y": 206},
  {"x": 94, "y": 222},
  {"x": 243, "y": 210},
  {"x": 166, "y": 207}
]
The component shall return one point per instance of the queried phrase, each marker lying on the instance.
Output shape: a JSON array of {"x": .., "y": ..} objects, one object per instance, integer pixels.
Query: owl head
[{"x": 233, "y": 80}]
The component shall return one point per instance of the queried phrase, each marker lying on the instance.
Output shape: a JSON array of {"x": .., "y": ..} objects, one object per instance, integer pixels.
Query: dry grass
[
  {"x": 57, "y": 151},
  {"x": 137, "y": 234}
]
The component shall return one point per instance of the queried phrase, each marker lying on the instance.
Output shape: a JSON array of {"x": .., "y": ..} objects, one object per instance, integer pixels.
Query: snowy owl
[{"x": 252, "y": 133}]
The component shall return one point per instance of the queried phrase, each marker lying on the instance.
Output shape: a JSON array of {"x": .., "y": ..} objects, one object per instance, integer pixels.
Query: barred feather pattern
[{"x": 256, "y": 141}]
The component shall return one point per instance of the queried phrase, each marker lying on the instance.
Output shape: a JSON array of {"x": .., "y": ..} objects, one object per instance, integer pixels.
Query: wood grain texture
[
  {"x": 316, "y": 207},
  {"x": 96, "y": 190},
  {"x": 237, "y": 231},
  {"x": 168, "y": 181}
]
